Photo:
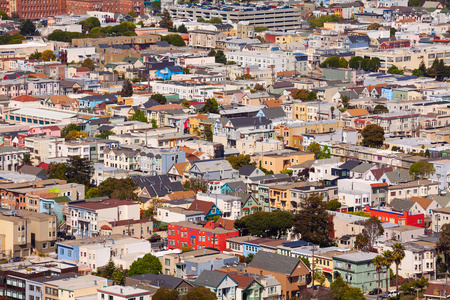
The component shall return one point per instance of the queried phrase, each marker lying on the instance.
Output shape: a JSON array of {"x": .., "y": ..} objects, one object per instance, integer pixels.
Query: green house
[
  {"x": 357, "y": 270},
  {"x": 249, "y": 204},
  {"x": 248, "y": 287}
]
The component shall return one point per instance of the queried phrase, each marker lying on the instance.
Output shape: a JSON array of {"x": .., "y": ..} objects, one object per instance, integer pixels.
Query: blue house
[
  {"x": 233, "y": 186},
  {"x": 387, "y": 92},
  {"x": 196, "y": 265},
  {"x": 68, "y": 251},
  {"x": 208, "y": 208},
  {"x": 356, "y": 41},
  {"x": 54, "y": 206},
  {"x": 167, "y": 72},
  {"x": 253, "y": 247},
  {"x": 94, "y": 100},
  {"x": 84, "y": 220}
]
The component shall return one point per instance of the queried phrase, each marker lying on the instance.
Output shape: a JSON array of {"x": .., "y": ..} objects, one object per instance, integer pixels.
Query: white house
[
  {"x": 322, "y": 169},
  {"x": 117, "y": 292},
  {"x": 230, "y": 206},
  {"x": 355, "y": 193},
  {"x": 178, "y": 214}
]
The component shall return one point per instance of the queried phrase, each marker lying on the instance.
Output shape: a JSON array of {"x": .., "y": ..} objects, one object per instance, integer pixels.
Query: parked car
[
  {"x": 3, "y": 261},
  {"x": 390, "y": 294},
  {"x": 16, "y": 259},
  {"x": 70, "y": 237},
  {"x": 375, "y": 291}
]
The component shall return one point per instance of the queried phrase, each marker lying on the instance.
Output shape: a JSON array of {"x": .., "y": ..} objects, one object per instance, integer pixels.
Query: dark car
[
  {"x": 16, "y": 259},
  {"x": 375, "y": 291},
  {"x": 70, "y": 237},
  {"x": 3, "y": 261}
]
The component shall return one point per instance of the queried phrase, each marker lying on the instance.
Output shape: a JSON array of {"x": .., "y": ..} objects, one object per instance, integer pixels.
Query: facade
[
  {"x": 186, "y": 234},
  {"x": 122, "y": 293},
  {"x": 396, "y": 217},
  {"x": 10, "y": 157},
  {"x": 117, "y": 6}
]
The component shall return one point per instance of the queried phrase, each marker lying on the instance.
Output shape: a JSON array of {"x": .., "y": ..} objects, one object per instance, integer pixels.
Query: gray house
[
  {"x": 196, "y": 265},
  {"x": 220, "y": 283},
  {"x": 213, "y": 169}
]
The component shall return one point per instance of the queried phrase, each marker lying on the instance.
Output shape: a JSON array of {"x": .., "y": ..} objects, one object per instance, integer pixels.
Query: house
[
  {"x": 220, "y": 283},
  {"x": 358, "y": 271},
  {"x": 117, "y": 292},
  {"x": 229, "y": 205},
  {"x": 280, "y": 161},
  {"x": 440, "y": 217},
  {"x": 289, "y": 271},
  {"x": 426, "y": 204},
  {"x": 390, "y": 215},
  {"x": 437, "y": 291},
  {"x": 419, "y": 260},
  {"x": 168, "y": 72},
  {"x": 419, "y": 188},
  {"x": 199, "y": 236},
  {"x": 209, "y": 209},
  {"x": 213, "y": 169},
  {"x": 177, "y": 214},
  {"x": 248, "y": 287},
  {"x": 263, "y": 244},
  {"x": 151, "y": 281},
  {"x": 194, "y": 266},
  {"x": 236, "y": 245},
  {"x": 247, "y": 171},
  {"x": 356, "y": 41}
]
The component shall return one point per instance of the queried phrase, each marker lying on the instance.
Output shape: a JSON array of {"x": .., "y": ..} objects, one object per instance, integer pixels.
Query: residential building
[
  {"x": 151, "y": 281},
  {"x": 280, "y": 161},
  {"x": 117, "y": 292},
  {"x": 229, "y": 205},
  {"x": 389, "y": 215},
  {"x": 222, "y": 284},
  {"x": 204, "y": 39},
  {"x": 11, "y": 157},
  {"x": 177, "y": 214}
]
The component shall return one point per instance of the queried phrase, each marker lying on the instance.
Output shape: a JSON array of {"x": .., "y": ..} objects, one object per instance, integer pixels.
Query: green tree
[
  {"x": 388, "y": 259},
  {"x": 319, "y": 278},
  {"x": 373, "y": 136},
  {"x": 443, "y": 244},
  {"x": 380, "y": 109},
  {"x": 208, "y": 133},
  {"x": 166, "y": 19},
  {"x": 105, "y": 134},
  {"x": 147, "y": 264},
  {"x": 361, "y": 242},
  {"x": 373, "y": 26},
  {"x": 154, "y": 124},
  {"x": 398, "y": 254},
  {"x": 64, "y": 36},
  {"x": 57, "y": 171},
  {"x": 345, "y": 101},
  {"x": 155, "y": 5},
  {"x": 421, "y": 169},
  {"x": 333, "y": 205},
  {"x": 4, "y": 15},
  {"x": 260, "y": 28},
  {"x": 90, "y": 23},
  {"x": 159, "y": 98},
  {"x": 139, "y": 115},
  {"x": 313, "y": 221},
  {"x": 372, "y": 230},
  {"x": 48, "y": 55},
  {"x": 265, "y": 224},
  {"x": 164, "y": 293},
  {"x": 311, "y": 96},
  {"x": 27, "y": 27},
  {"x": 196, "y": 184},
  {"x": 92, "y": 193},
  {"x": 249, "y": 258},
  {"x": 342, "y": 291},
  {"x": 378, "y": 263},
  {"x": 35, "y": 55},
  {"x": 423, "y": 68},
  {"x": 237, "y": 161},
  {"x": 287, "y": 171},
  {"x": 334, "y": 62},
  {"x": 200, "y": 293},
  {"x": 319, "y": 152},
  {"x": 133, "y": 14},
  {"x": 123, "y": 189},
  {"x": 212, "y": 53},
  {"x": 174, "y": 40},
  {"x": 88, "y": 63},
  {"x": 75, "y": 170},
  {"x": 182, "y": 29},
  {"x": 392, "y": 32},
  {"x": 211, "y": 106},
  {"x": 220, "y": 57},
  {"x": 416, "y": 3},
  {"x": 186, "y": 103},
  {"x": 25, "y": 159},
  {"x": 318, "y": 22},
  {"x": 300, "y": 94},
  {"x": 418, "y": 73},
  {"x": 394, "y": 70}
]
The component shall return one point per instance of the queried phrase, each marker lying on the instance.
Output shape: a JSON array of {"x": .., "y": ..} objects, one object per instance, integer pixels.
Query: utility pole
[{"x": 312, "y": 269}]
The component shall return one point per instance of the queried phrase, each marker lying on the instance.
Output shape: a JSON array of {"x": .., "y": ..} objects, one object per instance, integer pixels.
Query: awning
[{"x": 327, "y": 270}]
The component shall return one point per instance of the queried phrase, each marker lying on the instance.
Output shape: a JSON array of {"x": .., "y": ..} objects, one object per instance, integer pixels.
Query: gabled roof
[
  {"x": 243, "y": 281},
  {"x": 158, "y": 185},
  {"x": 357, "y": 112},
  {"x": 274, "y": 112},
  {"x": 362, "y": 168},
  {"x": 213, "y": 164},
  {"x": 349, "y": 164},
  {"x": 180, "y": 167},
  {"x": 25, "y": 98},
  {"x": 401, "y": 204},
  {"x": 246, "y": 170},
  {"x": 423, "y": 202},
  {"x": 398, "y": 176},
  {"x": 203, "y": 206},
  {"x": 211, "y": 278},
  {"x": 248, "y": 122},
  {"x": 377, "y": 173},
  {"x": 160, "y": 280},
  {"x": 275, "y": 262},
  {"x": 225, "y": 223}
]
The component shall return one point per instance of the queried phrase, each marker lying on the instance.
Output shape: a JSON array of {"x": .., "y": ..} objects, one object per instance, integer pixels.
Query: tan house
[
  {"x": 291, "y": 272},
  {"x": 281, "y": 161},
  {"x": 253, "y": 99},
  {"x": 205, "y": 39},
  {"x": 140, "y": 229}
]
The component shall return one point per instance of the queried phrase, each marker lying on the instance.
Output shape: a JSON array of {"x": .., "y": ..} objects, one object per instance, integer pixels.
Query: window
[{"x": 167, "y": 262}]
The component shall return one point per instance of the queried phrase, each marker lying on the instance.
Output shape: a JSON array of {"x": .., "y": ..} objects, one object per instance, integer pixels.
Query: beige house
[
  {"x": 205, "y": 39},
  {"x": 415, "y": 188},
  {"x": 281, "y": 161},
  {"x": 140, "y": 229},
  {"x": 73, "y": 287}
]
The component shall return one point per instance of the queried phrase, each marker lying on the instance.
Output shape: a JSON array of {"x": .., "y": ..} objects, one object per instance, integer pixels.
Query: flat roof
[{"x": 43, "y": 113}]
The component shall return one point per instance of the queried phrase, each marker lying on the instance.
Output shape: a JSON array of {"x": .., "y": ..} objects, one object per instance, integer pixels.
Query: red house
[
  {"x": 187, "y": 234},
  {"x": 387, "y": 215},
  {"x": 395, "y": 44}
]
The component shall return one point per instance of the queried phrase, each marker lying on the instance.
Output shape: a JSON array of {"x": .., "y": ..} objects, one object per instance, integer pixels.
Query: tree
[
  {"x": 373, "y": 136},
  {"x": 249, "y": 258},
  {"x": 342, "y": 291},
  {"x": 261, "y": 28},
  {"x": 319, "y": 278},
  {"x": 132, "y": 14},
  {"x": 154, "y": 124},
  {"x": 394, "y": 70},
  {"x": 127, "y": 88},
  {"x": 220, "y": 57},
  {"x": 361, "y": 242},
  {"x": 123, "y": 189},
  {"x": 237, "y": 161},
  {"x": 155, "y": 5},
  {"x": 27, "y": 27},
  {"x": 398, "y": 254},
  {"x": 211, "y": 106},
  {"x": 182, "y": 29},
  {"x": 166, "y": 19},
  {"x": 313, "y": 221},
  {"x": 332, "y": 111},
  {"x": 416, "y": 3},
  {"x": 334, "y": 62},
  {"x": 57, "y": 171},
  {"x": 212, "y": 53},
  {"x": 265, "y": 224},
  {"x": 392, "y": 32},
  {"x": 75, "y": 135},
  {"x": 208, "y": 133},
  {"x": 92, "y": 193},
  {"x": 105, "y": 134},
  {"x": 186, "y": 103},
  {"x": 380, "y": 109},
  {"x": 287, "y": 171},
  {"x": 345, "y": 101},
  {"x": 200, "y": 293},
  {"x": 421, "y": 169},
  {"x": 373, "y": 26},
  {"x": 196, "y": 184},
  {"x": 164, "y": 293},
  {"x": 387, "y": 262},
  {"x": 318, "y": 22},
  {"x": 410, "y": 287},
  {"x": 423, "y": 68},
  {"x": 259, "y": 87},
  {"x": 147, "y": 264},
  {"x": 378, "y": 263},
  {"x": 443, "y": 245},
  {"x": 372, "y": 230},
  {"x": 75, "y": 170},
  {"x": 418, "y": 73},
  {"x": 316, "y": 149},
  {"x": 89, "y": 24},
  {"x": 48, "y": 55},
  {"x": 300, "y": 94},
  {"x": 88, "y": 63},
  {"x": 25, "y": 159},
  {"x": 4, "y": 15},
  {"x": 139, "y": 115},
  {"x": 65, "y": 36},
  {"x": 174, "y": 40},
  {"x": 159, "y": 98},
  {"x": 35, "y": 55},
  {"x": 333, "y": 205}
]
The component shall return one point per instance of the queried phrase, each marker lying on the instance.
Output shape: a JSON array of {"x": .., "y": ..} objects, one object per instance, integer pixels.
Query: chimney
[{"x": 248, "y": 71}]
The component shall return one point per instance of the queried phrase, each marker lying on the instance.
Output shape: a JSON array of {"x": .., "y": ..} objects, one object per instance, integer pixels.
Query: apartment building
[
  {"x": 142, "y": 228},
  {"x": 230, "y": 206},
  {"x": 71, "y": 287},
  {"x": 186, "y": 90},
  {"x": 264, "y": 59},
  {"x": 277, "y": 162},
  {"x": 122, "y": 293},
  {"x": 122, "y": 158},
  {"x": 274, "y": 19},
  {"x": 11, "y": 157},
  {"x": 205, "y": 39},
  {"x": 414, "y": 188}
]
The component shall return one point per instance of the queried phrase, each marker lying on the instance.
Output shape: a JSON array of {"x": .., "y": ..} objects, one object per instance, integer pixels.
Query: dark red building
[
  {"x": 388, "y": 215},
  {"x": 395, "y": 44},
  {"x": 187, "y": 234}
]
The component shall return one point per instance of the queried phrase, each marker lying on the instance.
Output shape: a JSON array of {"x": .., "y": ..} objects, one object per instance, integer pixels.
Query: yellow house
[
  {"x": 323, "y": 262},
  {"x": 125, "y": 101},
  {"x": 280, "y": 195},
  {"x": 109, "y": 109},
  {"x": 300, "y": 111},
  {"x": 194, "y": 123},
  {"x": 73, "y": 287},
  {"x": 281, "y": 161},
  {"x": 294, "y": 38}
]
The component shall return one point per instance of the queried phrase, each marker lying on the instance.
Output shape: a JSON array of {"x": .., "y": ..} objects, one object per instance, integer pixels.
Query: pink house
[{"x": 47, "y": 130}]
